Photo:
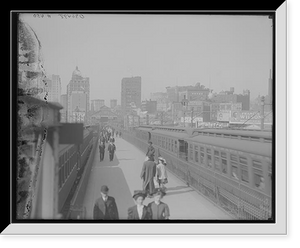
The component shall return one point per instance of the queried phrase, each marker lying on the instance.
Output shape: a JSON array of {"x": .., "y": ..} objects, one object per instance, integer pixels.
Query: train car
[
  {"x": 71, "y": 160},
  {"x": 233, "y": 168}
]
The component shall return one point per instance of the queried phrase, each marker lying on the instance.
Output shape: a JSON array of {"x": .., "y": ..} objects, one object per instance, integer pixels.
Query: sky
[{"x": 219, "y": 51}]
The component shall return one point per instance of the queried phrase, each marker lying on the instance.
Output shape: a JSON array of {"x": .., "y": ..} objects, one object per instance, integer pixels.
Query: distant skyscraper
[
  {"x": 113, "y": 103},
  {"x": 131, "y": 93},
  {"x": 53, "y": 88},
  {"x": 78, "y": 83},
  {"x": 63, "y": 112}
]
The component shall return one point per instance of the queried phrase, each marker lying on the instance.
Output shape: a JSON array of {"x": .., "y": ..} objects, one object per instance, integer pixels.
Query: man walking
[
  {"x": 150, "y": 152},
  {"x": 105, "y": 207},
  {"x": 111, "y": 150},
  {"x": 147, "y": 174},
  {"x": 102, "y": 150}
]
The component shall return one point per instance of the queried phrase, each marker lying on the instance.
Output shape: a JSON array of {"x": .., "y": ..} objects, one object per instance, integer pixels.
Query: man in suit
[
  {"x": 150, "y": 151},
  {"x": 105, "y": 207},
  {"x": 147, "y": 174}
]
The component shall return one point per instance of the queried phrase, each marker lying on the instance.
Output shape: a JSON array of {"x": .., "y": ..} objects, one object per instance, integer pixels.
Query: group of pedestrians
[
  {"x": 107, "y": 136},
  {"x": 105, "y": 207},
  {"x": 154, "y": 176}
]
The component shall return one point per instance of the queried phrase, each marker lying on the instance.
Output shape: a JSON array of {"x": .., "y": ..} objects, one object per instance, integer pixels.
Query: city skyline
[{"x": 164, "y": 50}]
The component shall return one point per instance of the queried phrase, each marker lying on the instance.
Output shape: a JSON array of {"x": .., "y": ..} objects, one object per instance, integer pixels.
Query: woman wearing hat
[
  {"x": 159, "y": 210},
  {"x": 161, "y": 173},
  {"x": 139, "y": 211}
]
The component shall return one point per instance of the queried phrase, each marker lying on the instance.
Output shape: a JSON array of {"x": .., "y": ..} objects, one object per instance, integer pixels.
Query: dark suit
[
  {"x": 106, "y": 210},
  {"x": 134, "y": 215},
  {"x": 147, "y": 174},
  {"x": 150, "y": 153}
]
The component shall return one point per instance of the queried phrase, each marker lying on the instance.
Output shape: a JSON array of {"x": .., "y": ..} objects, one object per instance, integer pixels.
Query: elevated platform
[{"x": 122, "y": 176}]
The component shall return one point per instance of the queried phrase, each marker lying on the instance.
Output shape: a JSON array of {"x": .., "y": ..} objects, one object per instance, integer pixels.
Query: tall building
[
  {"x": 53, "y": 88},
  {"x": 77, "y": 84},
  {"x": 78, "y": 102},
  {"x": 63, "y": 111},
  {"x": 131, "y": 90},
  {"x": 113, "y": 103}
]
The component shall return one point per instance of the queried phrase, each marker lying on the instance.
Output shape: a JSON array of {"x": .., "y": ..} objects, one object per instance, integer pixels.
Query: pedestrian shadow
[
  {"x": 178, "y": 188},
  {"x": 178, "y": 192}
]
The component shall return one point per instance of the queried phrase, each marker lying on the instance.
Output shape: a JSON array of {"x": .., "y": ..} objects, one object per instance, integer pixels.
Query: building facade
[
  {"x": 63, "y": 111},
  {"x": 113, "y": 103},
  {"x": 149, "y": 106},
  {"x": 230, "y": 97},
  {"x": 53, "y": 88},
  {"x": 131, "y": 93},
  {"x": 80, "y": 85}
]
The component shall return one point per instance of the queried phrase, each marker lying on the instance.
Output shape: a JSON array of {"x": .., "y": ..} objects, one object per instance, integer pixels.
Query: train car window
[
  {"x": 224, "y": 165},
  {"x": 172, "y": 149},
  {"x": 202, "y": 155},
  {"x": 191, "y": 150},
  {"x": 244, "y": 169},
  {"x": 209, "y": 159},
  {"x": 217, "y": 160},
  {"x": 183, "y": 150},
  {"x": 196, "y": 154},
  {"x": 258, "y": 179},
  {"x": 163, "y": 142},
  {"x": 234, "y": 166},
  {"x": 257, "y": 164}
]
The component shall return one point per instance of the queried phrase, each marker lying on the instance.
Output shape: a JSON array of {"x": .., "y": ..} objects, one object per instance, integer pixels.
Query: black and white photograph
[{"x": 146, "y": 118}]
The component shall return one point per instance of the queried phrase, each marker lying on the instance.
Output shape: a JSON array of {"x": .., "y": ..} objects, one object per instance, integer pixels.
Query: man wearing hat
[
  {"x": 139, "y": 211},
  {"x": 159, "y": 210},
  {"x": 105, "y": 207},
  {"x": 150, "y": 151},
  {"x": 147, "y": 175}
]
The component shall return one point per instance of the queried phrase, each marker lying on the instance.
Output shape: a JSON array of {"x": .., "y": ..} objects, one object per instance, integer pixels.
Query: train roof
[
  {"x": 241, "y": 140},
  {"x": 259, "y": 148}
]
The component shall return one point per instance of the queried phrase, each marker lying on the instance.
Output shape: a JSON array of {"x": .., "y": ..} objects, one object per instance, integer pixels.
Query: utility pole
[
  {"x": 192, "y": 117},
  {"x": 262, "y": 113}
]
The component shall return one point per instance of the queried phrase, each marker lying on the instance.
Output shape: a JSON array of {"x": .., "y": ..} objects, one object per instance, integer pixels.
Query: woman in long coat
[{"x": 147, "y": 174}]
